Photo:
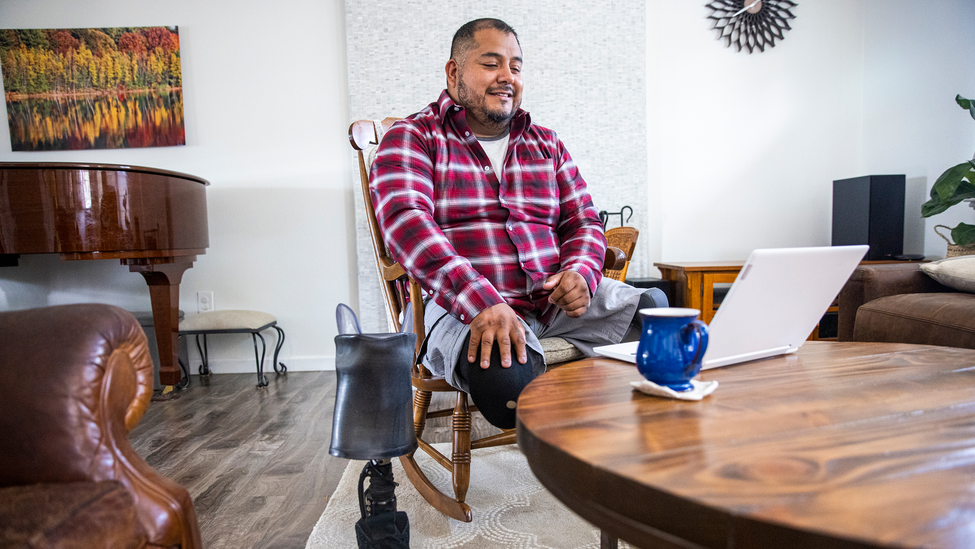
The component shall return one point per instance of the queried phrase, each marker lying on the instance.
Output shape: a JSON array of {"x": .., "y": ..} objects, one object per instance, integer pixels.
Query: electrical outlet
[{"x": 204, "y": 301}]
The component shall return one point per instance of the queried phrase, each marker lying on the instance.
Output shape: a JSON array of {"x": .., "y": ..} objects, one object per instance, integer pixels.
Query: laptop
[{"x": 776, "y": 301}]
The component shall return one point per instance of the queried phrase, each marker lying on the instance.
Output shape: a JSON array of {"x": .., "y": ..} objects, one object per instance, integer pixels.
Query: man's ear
[{"x": 451, "y": 69}]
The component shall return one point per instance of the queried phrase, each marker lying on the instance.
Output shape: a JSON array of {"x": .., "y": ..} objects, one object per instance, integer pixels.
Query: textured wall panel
[{"x": 584, "y": 77}]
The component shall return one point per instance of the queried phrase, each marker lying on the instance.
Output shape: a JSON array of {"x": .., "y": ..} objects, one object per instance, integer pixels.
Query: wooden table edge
[
  {"x": 741, "y": 531},
  {"x": 621, "y": 526}
]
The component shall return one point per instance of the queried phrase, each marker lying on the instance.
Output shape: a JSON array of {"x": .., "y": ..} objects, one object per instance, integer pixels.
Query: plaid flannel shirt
[{"x": 470, "y": 239}]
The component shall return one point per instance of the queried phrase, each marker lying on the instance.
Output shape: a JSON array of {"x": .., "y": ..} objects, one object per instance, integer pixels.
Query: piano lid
[
  {"x": 112, "y": 210},
  {"x": 87, "y": 166}
]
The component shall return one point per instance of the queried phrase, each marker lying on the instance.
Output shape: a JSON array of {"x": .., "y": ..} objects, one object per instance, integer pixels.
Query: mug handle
[{"x": 701, "y": 330}]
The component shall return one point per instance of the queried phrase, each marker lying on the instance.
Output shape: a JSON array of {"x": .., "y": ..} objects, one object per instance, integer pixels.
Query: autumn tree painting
[{"x": 92, "y": 88}]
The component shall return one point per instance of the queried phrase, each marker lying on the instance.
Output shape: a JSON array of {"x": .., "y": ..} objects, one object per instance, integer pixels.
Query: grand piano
[{"x": 153, "y": 221}]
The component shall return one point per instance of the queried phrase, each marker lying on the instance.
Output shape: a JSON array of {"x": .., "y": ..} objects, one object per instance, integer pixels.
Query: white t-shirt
[{"x": 495, "y": 148}]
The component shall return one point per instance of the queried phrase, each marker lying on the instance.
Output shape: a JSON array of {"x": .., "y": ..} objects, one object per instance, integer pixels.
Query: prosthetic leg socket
[{"x": 373, "y": 420}]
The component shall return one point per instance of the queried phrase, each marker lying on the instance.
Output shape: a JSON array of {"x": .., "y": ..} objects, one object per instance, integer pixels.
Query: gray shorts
[{"x": 604, "y": 323}]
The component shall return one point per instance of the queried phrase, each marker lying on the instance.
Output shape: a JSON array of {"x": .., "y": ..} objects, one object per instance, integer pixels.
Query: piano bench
[{"x": 235, "y": 322}]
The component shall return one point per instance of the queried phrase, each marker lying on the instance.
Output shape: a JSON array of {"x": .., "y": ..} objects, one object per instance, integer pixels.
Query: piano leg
[{"x": 163, "y": 280}]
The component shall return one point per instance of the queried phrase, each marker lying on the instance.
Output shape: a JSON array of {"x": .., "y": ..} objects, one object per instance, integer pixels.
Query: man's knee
[
  {"x": 495, "y": 390},
  {"x": 653, "y": 298},
  {"x": 649, "y": 299}
]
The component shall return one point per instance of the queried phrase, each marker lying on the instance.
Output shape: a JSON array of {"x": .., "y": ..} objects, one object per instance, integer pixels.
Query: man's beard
[{"x": 476, "y": 106}]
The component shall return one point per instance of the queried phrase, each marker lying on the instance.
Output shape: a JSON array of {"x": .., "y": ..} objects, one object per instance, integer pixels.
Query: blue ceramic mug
[{"x": 671, "y": 347}]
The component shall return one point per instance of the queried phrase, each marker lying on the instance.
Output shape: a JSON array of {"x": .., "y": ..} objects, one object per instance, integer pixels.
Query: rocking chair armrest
[{"x": 615, "y": 259}]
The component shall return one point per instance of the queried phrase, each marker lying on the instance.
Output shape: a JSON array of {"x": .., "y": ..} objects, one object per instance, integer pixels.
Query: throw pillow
[{"x": 957, "y": 272}]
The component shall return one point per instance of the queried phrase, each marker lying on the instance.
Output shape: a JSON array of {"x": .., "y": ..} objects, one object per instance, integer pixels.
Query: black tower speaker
[{"x": 870, "y": 210}]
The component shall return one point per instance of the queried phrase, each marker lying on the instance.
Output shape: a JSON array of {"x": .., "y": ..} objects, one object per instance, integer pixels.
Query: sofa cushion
[
  {"x": 70, "y": 515},
  {"x": 928, "y": 318},
  {"x": 957, "y": 272}
]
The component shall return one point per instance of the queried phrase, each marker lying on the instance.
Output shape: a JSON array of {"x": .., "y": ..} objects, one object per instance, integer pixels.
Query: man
[{"x": 488, "y": 212}]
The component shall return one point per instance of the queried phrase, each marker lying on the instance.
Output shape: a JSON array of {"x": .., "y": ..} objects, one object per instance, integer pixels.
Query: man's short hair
[{"x": 464, "y": 37}]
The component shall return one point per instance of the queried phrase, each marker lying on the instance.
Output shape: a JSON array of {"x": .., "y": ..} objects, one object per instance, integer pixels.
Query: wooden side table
[{"x": 694, "y": 282}]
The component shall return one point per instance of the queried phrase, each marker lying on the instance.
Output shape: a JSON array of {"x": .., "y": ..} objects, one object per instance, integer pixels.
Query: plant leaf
[
  {"x": 933, "y": 207},
  {"x": 965, "y": 190},
  {"x": 946, "y": 185},
  {"x": 966, "y": 104},
  {"x": 963, "y": 234}
]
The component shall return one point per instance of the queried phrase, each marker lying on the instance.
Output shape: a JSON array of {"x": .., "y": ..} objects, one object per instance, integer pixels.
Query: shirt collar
[{"x": 449, "y": 110}]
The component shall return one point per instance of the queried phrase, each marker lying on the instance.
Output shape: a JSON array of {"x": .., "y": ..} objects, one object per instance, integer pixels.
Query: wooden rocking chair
[
  {"x": 625, "y": 239},
  {"x": 398, "y": 289}
]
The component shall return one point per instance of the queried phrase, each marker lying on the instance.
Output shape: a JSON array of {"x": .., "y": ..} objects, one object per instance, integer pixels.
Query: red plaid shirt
[{"x": 475, "y": 241}]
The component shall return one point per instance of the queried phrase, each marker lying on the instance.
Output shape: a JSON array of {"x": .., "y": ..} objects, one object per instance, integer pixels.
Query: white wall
[
  {"x": 918, "y": 56},
  {"x": 742, "y": 149},
  {"x": 265, "y": 93}
]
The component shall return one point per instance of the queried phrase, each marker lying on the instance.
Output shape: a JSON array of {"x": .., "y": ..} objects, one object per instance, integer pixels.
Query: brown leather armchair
[
  {"x": 899, "y": 303},
  {"x": 77, "y": 379}
]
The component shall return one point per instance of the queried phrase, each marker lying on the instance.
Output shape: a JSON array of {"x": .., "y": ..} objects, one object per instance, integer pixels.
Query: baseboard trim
[{"x": 244, "y": 366}]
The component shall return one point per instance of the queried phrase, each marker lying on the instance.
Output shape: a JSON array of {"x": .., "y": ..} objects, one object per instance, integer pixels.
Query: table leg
[
  {"x": 163, "y": 280},
  {"x": 693, "y": 291},
  {"x": 607, "y": 540},
  {"x": 707, "y": 288}
]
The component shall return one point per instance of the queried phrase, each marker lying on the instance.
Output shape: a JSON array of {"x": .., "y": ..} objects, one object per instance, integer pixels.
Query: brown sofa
[
  {"x": 899, "y": 303},
  {"x": 76, "y": 380}
]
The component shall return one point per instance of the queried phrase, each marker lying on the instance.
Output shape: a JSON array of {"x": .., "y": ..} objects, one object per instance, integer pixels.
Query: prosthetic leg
[{"x": 373, "y": 420}]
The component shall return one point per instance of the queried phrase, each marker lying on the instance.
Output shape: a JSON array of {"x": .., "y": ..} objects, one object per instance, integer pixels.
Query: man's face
[{"x": 487, "y": 83}]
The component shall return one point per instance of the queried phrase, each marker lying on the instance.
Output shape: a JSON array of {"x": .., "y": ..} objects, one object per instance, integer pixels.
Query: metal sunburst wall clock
[{"x": 751, "y": 24}]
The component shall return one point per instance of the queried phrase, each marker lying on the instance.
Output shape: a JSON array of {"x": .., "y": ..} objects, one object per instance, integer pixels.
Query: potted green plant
[{"x": 955, "y": 184}]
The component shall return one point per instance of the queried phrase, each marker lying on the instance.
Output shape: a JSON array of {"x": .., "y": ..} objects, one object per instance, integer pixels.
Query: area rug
[{"x": 510, "y": 507}]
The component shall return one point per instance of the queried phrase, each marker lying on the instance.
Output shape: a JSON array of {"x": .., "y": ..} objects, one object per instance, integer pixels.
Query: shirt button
[
  {"x": 462, "y": 317},
  {"x": 487, "y": 168},
  {"x": 468, "y": 134}
]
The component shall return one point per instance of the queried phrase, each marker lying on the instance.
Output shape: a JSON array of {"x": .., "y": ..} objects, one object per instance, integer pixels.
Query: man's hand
[
  {"x": 497, "y": 324},
  {"x": 570, "y": 293}
]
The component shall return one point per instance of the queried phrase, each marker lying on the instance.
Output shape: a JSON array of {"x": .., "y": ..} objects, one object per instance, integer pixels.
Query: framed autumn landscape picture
[{"x": 107, "y": 88}]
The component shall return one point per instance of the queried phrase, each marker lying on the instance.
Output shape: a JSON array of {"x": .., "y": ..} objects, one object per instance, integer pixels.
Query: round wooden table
[{"x": 840, "y": 445}]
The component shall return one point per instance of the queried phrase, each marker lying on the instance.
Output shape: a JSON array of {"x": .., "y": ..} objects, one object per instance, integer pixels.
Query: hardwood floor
[{"x": 254, "y": 460}]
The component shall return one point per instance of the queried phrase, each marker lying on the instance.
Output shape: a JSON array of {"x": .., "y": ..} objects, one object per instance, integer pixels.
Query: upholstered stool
[{"x": 235, "y": 322}]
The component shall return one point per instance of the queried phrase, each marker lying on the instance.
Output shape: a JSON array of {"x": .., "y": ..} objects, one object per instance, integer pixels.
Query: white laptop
[{"x": 776, "y": 301}]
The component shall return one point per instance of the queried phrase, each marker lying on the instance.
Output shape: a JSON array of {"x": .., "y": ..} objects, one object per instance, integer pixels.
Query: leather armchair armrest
[
  {"x": 869, "y": 282},
  {"x": 78, "y": 378}
]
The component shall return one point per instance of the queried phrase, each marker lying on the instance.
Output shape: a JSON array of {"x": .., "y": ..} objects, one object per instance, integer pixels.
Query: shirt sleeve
[
  {"x": 583, "y": 244},
  {"x": 401, "y": 185}
]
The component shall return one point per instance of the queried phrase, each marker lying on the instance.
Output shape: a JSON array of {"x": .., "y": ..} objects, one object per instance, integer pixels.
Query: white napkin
[{"x": 700, "y": 390}]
